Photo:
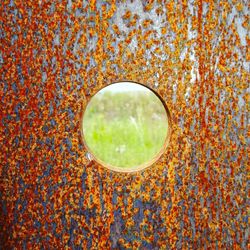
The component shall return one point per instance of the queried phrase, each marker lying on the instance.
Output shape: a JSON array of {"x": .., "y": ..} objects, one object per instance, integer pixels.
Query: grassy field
[{"x": 125, "y": 129}]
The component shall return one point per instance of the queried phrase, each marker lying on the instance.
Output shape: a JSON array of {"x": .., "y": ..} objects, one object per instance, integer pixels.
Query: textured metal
[{"x": 55, "y": 55}]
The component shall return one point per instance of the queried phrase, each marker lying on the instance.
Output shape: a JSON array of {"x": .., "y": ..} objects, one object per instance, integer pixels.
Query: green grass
[{"x": 125, "y": 129}]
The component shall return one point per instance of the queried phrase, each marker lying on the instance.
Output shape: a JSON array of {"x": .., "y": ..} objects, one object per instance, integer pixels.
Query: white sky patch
[{"x": 124, "y": 87}]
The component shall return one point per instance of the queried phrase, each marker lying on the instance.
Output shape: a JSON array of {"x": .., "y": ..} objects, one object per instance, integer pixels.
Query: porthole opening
[{"x": 125, "y": 126}]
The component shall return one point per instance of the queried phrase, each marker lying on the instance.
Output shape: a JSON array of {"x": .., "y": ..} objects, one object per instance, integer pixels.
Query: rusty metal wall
[{"x": 55, "y": 55}]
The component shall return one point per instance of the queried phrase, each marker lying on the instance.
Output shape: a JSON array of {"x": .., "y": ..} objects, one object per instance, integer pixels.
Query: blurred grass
[{"x": 125, "y": 129}]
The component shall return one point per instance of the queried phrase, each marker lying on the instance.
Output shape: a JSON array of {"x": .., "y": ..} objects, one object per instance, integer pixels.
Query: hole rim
[{"x": 140, "y": 167}]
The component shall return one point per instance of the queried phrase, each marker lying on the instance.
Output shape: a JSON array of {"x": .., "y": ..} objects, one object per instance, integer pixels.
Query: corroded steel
[{"x": 55, "y": 55}]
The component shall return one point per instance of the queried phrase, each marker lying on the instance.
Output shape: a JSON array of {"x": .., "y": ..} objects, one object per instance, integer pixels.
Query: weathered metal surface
[{"x": 54, "y": 54}]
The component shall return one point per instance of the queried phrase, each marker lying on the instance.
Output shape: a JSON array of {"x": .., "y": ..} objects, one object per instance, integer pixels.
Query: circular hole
[{"x": 126, "y": 126}]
